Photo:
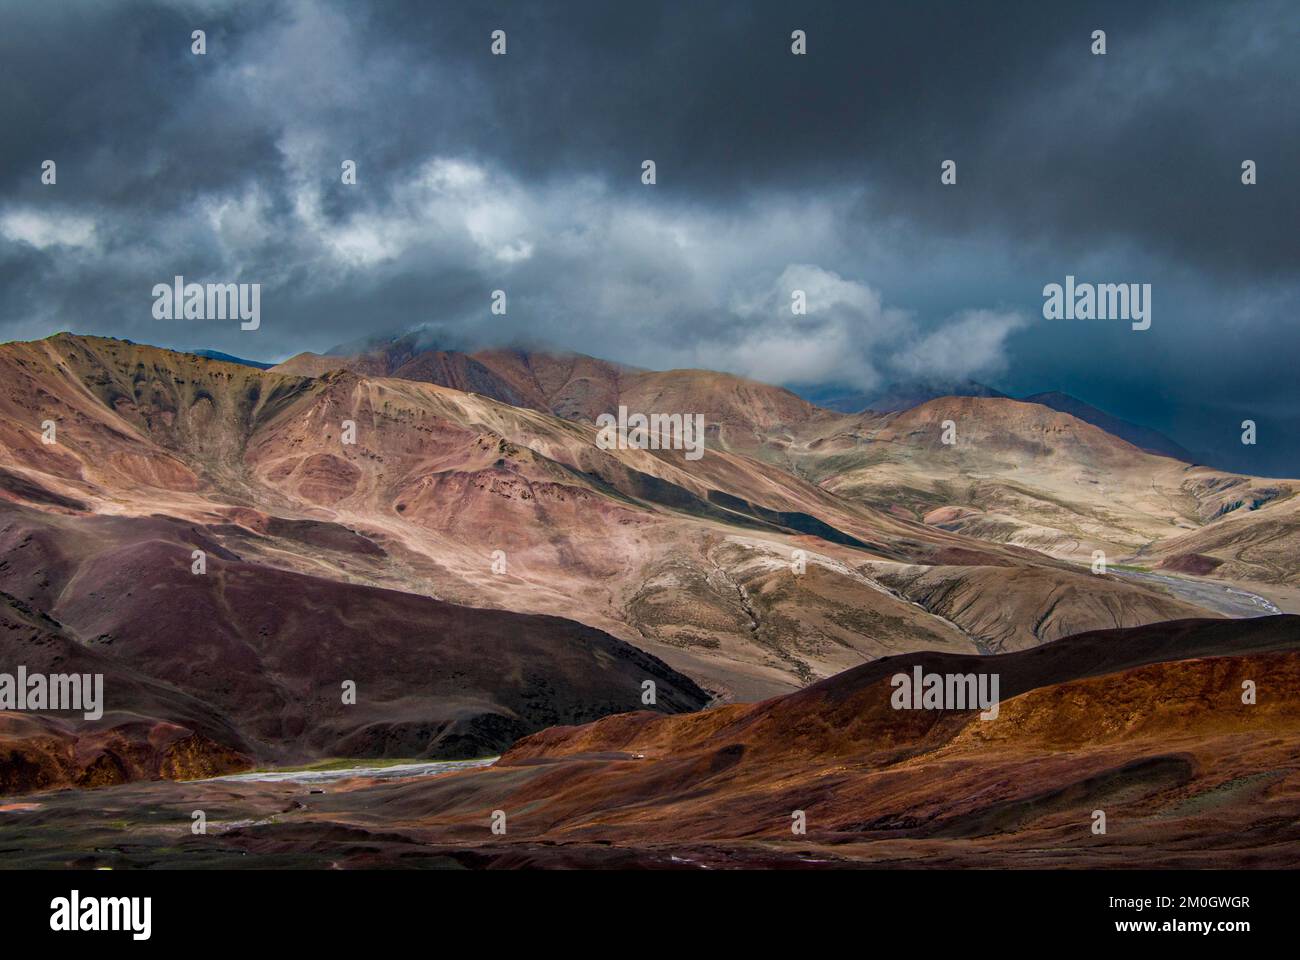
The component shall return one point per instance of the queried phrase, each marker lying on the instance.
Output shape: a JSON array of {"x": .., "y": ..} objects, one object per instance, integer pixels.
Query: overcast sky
[{"x": 775, "y": 172}]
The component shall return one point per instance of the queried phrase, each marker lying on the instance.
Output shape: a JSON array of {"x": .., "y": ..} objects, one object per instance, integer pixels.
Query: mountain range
[{"x": 442, "y": 531}]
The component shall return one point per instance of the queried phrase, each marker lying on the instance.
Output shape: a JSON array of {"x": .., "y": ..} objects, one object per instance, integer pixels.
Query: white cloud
[
  {"x": 837, "y": 339},
  {"x": 241, "y": 223},
  {"x": 42, "y": 229},
  {"x": 848, "y": 335},
  {"x": 970, "y": 345}
]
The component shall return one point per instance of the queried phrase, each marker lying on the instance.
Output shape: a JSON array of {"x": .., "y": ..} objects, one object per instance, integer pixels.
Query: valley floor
[{"x": 369, "y": 822}]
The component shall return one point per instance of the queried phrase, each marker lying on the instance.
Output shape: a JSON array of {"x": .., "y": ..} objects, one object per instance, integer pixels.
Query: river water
[
  {"x": 1206, "y": 593},
  {"x": 389, "y": 772}
]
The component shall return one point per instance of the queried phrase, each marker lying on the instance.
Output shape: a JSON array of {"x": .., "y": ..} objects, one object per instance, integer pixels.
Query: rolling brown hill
[{"x": 1248, "y": 544}]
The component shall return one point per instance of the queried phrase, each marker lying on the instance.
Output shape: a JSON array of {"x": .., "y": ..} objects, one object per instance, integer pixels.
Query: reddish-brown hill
[{"x": 1147, "y": 724}]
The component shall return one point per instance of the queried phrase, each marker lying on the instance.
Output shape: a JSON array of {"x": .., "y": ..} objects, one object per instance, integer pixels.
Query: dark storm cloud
[
  {"x": 1145, "y": 142},
  {"x": 113, "y": 91},
  {"x": 522, "y": 172}
]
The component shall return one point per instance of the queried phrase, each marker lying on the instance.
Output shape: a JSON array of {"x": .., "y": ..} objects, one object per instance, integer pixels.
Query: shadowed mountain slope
[
  {"x": 270, "y": 651},
  {"x": 148, "y": 728}
]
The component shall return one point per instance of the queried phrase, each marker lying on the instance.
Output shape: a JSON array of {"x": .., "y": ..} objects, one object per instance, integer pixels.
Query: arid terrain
[
  {"x": 671, "y": 655},
  {"x": 1145, "y": 725}
]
